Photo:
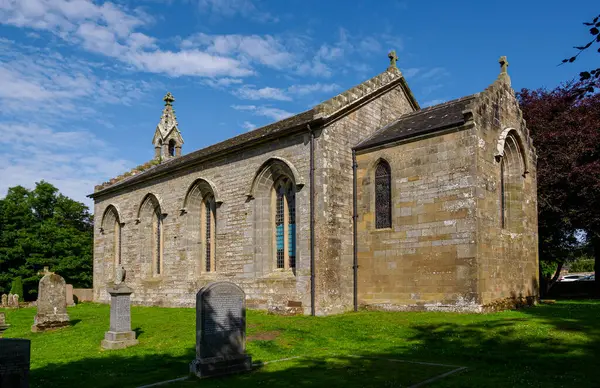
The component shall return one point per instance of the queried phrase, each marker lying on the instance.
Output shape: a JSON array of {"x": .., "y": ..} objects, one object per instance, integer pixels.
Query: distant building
[{"x": 446, "y": 212}]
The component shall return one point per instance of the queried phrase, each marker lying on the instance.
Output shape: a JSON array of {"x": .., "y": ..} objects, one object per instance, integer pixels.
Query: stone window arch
[
  {"x": 274, "y": 192},
  {"x": 150, "y": 217},
  {"x": 112, "y": 236},
  {"x": 383, "y": 195},
  {"x": 200, "y": 207},
  {"x": 513, "y": 170}
]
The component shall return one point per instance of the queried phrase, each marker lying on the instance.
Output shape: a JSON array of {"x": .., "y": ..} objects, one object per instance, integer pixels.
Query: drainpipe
[
  {"x": 312, "y": 220},
  {"x": 354, "y": 231}
]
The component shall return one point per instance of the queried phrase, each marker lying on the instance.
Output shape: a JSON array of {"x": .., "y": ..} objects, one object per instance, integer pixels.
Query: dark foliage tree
[
  {"x": 42, "y": 227},
  {"x": 589, "y": 79},
  {"x": 566, "y": 132}
]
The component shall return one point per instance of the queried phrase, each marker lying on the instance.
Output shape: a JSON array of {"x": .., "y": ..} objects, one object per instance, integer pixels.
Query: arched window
[
  {"x": 172, "y": 147},
  {"x": 285, "y": 223},
  {"x": 151, "y": 237},
  {"x": 111, "y": 230},
  {"x": 157, "y": 241},
  {"x": 512, "y": 172},
  {"x": 383, "y": 196},
  {"x": 208, "y": 232},
  {"x": 200, "y": 205}
]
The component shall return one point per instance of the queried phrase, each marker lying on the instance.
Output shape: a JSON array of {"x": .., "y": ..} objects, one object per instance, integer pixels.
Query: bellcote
[{"x": 167, "y": 139}]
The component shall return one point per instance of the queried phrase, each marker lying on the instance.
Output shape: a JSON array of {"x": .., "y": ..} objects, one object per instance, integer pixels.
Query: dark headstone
[
  {"x": 51, "y": 304},
  {"x": 119, "y": 335},
  {"x": 14, "y": 363},
  {"x": 220, "y": 331}
]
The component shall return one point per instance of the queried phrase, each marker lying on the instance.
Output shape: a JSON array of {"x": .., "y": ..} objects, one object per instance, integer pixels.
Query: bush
[
  {"x": 582, "y": 265},
  {"x": 17, "y": 287}
]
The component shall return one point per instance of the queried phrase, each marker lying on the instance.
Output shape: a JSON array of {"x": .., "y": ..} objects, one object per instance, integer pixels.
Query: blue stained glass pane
[
  {"x": 279, "y": 234},
  {"x": 292, "y": 239}
]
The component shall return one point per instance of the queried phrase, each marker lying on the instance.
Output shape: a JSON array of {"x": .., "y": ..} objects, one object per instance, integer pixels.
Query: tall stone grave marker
[
  {"x": 69, "y": 289},
  {"x": 119, "y": 335},
  {"x": 4, "y": 300},
  {"x": 14, "y": 362},
  {"x": 220, "y": 331},
  {"x": 51, "y": 304},
  {"x": 15, "y": 302},
  {"x": 3, "y": 325}
]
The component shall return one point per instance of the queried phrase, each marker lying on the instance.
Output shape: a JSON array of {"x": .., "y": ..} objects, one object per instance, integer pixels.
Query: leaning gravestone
[
  {"x": 51, "y": 304},
  {"x": 14, "y": 362},
  {"x": 220, "y": 331},
  {"x": 3, "y": 325},
  {"x": 119, "y": 335}
]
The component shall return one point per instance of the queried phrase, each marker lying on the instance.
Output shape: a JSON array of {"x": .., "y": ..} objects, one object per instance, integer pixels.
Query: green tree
[
  {"x": 42, "y": 227},
  {"x": 17, "y": 287}
]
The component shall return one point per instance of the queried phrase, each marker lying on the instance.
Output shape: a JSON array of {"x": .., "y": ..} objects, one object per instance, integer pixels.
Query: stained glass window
[
  {"x": 157, "y": 239},
  {"x": 280, "y": 226},
  {"x": 291, "y": 198},
  {"x": 383, "y": 196}
]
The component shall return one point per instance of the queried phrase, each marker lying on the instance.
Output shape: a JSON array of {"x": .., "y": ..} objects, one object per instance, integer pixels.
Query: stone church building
[{"x": 365, "y": 200}]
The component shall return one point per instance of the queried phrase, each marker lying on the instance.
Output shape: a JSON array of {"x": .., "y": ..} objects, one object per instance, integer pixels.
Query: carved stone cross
[
  {"x": 503, "y": 64},
  {"x": 168, "y": 99},
  {"x": 393, "y": 58},
  {"x": 45, "y": 271}
]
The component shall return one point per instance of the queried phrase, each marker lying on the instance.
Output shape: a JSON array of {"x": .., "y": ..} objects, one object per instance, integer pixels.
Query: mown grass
[{"x": 548, "y": 345}]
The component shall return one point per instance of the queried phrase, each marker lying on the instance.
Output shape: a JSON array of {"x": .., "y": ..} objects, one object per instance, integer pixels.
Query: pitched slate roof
[
  {"x": 428, "y": 120},
  {"x": 327, "y": 109}
]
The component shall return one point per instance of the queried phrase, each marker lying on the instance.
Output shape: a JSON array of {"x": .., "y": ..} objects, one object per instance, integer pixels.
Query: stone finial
[
  {"x": 503, "y": 65},
  {"x": 168, "y": 99},
  {"x": 393, "y": 58},
  {"x": 46, "y": 271}
]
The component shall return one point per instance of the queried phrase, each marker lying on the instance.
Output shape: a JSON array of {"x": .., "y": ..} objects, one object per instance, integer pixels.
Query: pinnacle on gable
[
  {"x": 168, "y": 99},
  {"x": 393, "y": 58}
]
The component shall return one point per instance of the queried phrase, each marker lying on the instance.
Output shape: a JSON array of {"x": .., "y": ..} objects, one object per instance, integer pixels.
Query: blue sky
[{"x": 82, "y": 81}]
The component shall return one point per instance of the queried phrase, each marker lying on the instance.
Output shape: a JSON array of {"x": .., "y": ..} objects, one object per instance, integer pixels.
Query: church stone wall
[
  {"x": 427, "y": 259},
  {"x": 333, "y": 180},
  {"x": 237, "y": 247},
  {"x": 508, "y": 257}
]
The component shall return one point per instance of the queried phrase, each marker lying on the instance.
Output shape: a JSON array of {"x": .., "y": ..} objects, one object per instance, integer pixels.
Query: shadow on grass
[
  {"x": 138, "y": 332},
  {"x": 73, "y": 322},
  {"x": 552, "y": 346}
]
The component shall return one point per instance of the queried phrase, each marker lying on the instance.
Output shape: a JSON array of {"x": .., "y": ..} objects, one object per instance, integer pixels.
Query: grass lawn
[{"x": 548, "y": 345}]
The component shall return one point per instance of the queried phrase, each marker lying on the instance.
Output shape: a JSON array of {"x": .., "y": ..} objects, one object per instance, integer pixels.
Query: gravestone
[
  {"x": 220, "y": 331},
  {"x": 14, "y": 362},
  {"x": 4, "y": 300},
  {"x": 51, "y": 304},
  {"x": 69, "y": 289},
  {"x": 3, "y": 325},
  {"x": 119, "y": 335},
  {"x": 15, "y": 302},
  {"x": 10, "y": 300}
]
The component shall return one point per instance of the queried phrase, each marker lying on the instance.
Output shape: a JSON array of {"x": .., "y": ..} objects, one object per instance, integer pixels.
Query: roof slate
[{"x": 428, "y": 120}]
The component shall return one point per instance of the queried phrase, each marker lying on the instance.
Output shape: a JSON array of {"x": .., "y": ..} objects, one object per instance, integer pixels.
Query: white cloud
[
  {"x": 229, "y": 8},
  {"x": 434, "y": 73},
  {"x": 110, "y": 30},
  {"x": 265, "y": 50},
  {"x": 268, "y": 93},
  {"x": 433, "y": 102},
  {"x": 410, "y": 72},
  {"x": 248, "y": 126},
  {"x": 222, "y": 82},
  {"x": 249, "y": 92},
  {"x": 73, "y": 161},
  {"x": 266, "y": 111}
]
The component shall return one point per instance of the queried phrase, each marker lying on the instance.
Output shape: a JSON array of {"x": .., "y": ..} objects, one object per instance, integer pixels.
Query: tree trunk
[{"x": 552, "y": 281}]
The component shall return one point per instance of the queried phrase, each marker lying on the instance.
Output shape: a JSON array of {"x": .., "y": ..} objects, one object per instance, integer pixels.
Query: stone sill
[
  {"x": 280, "y": 273},
  {"x": 382, "y": 230}
]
